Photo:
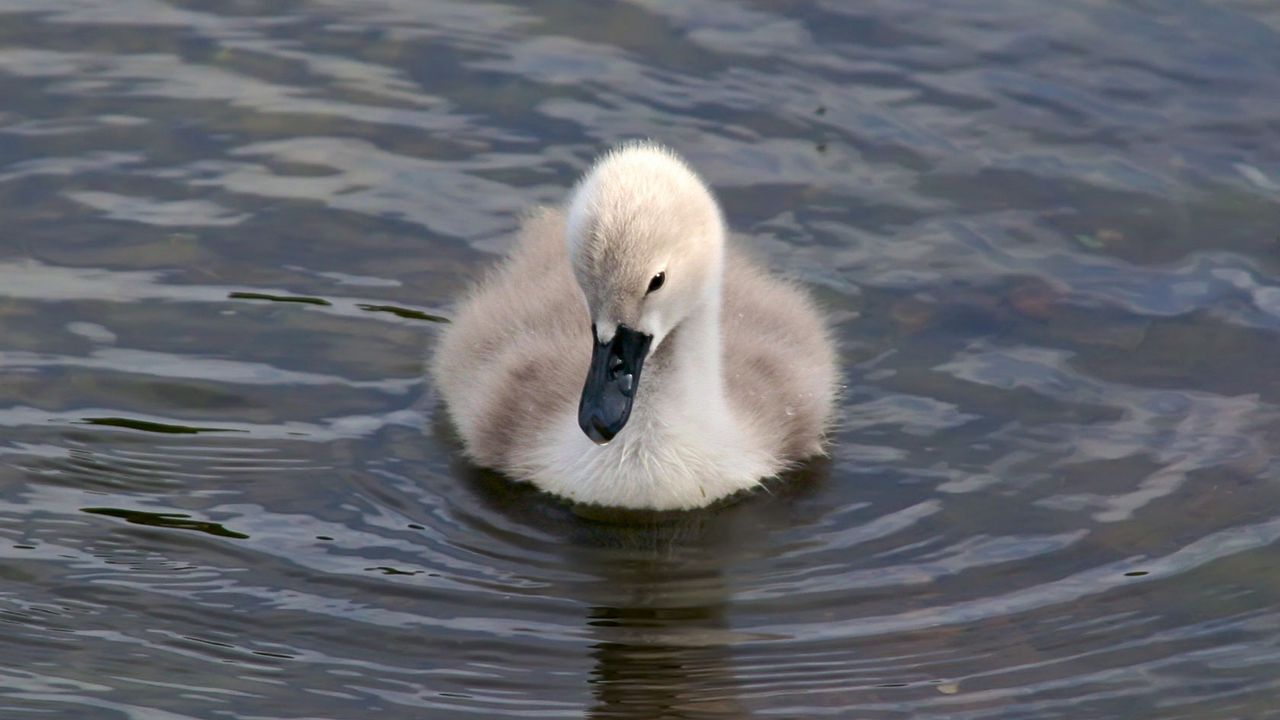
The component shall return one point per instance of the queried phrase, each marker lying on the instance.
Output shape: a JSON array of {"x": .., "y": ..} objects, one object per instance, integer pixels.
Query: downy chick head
[{"x": 646, "y": 241}]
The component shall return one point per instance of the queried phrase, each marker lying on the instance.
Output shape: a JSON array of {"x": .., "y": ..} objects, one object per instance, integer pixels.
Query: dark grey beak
[{"x": 611, "y": 383}]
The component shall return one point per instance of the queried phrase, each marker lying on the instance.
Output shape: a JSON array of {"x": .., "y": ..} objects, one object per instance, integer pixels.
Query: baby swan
[{"x": 626, "y": 355}]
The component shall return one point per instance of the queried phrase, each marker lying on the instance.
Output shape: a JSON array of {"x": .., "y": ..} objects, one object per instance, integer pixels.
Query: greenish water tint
[
  {"x": 178, "y": 521},
  {"x": 154, "y": 427},
  {"x": 1045, "y": 234},
  {"x": 279, "y": 298},
  {"x": 407, "y": 313}
]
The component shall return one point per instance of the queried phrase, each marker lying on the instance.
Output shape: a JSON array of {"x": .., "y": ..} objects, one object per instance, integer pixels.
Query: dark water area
[{"x": 1048, "y": 236}]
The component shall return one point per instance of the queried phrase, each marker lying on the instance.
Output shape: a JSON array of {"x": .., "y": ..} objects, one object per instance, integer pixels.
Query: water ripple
[{"x": 1045, "y": 238}]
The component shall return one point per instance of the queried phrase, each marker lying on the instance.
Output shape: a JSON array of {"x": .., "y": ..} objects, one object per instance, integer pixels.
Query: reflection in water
[
  {"x": 657, "y": 661},
  {"x": 659, "y": 619},
  {"x": 657, "y": 595}
]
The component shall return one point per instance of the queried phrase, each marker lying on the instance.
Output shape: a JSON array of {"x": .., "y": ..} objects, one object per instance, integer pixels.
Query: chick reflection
[
  {"x": 664, "y": 653},
  {"x": 657, "y": 589}
]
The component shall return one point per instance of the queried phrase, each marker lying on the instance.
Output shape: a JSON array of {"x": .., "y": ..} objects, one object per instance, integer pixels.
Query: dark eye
[{"x": 656, "y": 282}]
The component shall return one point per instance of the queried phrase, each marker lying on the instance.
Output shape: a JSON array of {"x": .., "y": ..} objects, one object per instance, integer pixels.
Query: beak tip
[{"x": 599, "y": 433}]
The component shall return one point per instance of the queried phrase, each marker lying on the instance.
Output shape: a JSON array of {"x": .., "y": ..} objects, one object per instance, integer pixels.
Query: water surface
[{"x": 1045, "y": 232}]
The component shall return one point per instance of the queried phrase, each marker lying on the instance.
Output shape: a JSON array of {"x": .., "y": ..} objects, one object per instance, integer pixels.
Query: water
[{"x": 1046, "y": 233}]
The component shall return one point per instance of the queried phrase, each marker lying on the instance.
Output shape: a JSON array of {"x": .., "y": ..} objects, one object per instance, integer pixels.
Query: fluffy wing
[
  {"x": 780, "y": 360},
  {"x": 516, "y": 354}
]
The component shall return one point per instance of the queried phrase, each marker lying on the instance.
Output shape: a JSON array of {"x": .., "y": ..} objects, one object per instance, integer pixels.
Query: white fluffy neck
[
  {"x": 682, "y": 448},
  {"x": 687, "y": 379}
]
